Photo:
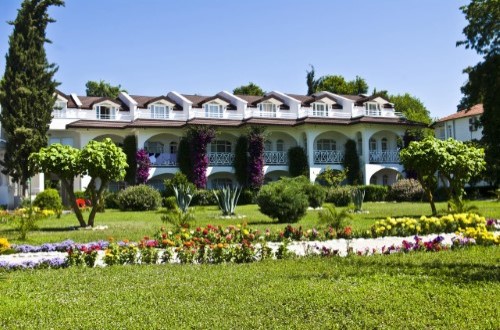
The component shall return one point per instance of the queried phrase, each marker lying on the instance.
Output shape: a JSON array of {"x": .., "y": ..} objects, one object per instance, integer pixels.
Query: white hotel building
[{"x": 321, "y": 124}]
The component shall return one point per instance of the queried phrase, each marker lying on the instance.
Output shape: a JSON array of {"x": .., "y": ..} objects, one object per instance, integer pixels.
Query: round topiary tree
[
  {"x": 284, "y": 200},
  {"x": 139, "y": 198},
  {"x": 49, "y": 199}
]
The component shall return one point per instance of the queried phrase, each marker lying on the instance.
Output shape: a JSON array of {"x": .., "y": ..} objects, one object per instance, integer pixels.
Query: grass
[
  {"x": 442, "y": 290},
  {"x": 135, "y": 225}
]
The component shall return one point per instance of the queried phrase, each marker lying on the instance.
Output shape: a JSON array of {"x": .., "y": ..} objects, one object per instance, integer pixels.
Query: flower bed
[{"x": 409, "y": 226}]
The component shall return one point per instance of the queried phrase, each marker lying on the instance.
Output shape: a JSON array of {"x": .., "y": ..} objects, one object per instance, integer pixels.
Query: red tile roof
[{"x": 473, "y": 111}]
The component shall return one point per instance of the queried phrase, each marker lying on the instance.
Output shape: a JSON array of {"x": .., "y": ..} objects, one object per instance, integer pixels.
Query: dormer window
[
  {"x": 60, "y": 105},
  {"x": 320, "y": 109},
  {"x": 372, "y": 106},
  {"x": 105, "y": 112},
  {"x": 268, "y": 108},
  {"x": 214, "y": 110},
  {"x": 159, "y": 111}
]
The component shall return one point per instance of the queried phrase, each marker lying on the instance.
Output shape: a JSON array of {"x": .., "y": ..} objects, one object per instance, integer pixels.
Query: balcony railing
[
  {"x": 328, "y": 157},
  {"x": 270, "y": 114},
  {"x": 90, "y": 115},
  {"x": 275, "y": 158},
  {"x": 326, "y": 113},
  {"x": 361, "y": 111},
  {"x": 384, "y": 157},
  {"x": 220, "y": 158},
  {"x": 163, "y": 159},
  {"x": 161, "y": 116},
  {"x": 215, "y": 115}
]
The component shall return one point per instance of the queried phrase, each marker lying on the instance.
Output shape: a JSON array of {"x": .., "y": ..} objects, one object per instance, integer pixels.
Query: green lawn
[
  {"x": 136, "y": 225},
  {"x": 444, "y": 290}
]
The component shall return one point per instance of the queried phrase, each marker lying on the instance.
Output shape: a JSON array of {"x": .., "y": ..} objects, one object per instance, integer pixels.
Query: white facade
[
  {"x": 463, "y": 125},
  {"x": 321, "y": 124}
]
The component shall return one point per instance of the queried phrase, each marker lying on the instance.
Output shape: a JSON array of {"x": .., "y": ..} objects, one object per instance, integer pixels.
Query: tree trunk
[
  {"x": 96, "y": 197},
  {"x": 74, "y": 205}
]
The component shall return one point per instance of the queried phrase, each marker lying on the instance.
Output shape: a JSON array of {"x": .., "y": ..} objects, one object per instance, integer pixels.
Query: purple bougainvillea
[
  {"x": 199, "y": 137},
  {"x": 143, "y": 165},
  {"x": 256, "y": 157}
]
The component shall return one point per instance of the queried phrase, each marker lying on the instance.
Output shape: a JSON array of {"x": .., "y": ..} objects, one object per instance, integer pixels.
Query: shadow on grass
[
  {"x": 455, "y": 271},
  {"x": 264, "y": 222},
  {"x": 58, "y": 229}
]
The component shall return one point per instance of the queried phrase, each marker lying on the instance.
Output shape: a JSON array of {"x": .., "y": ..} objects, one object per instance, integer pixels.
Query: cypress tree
[
  {"x": 241, "y": 161},
  {"x": 27, "y": 90},
  {"x": 130, "y": 149},
  {"x": 351, "y": 163}
]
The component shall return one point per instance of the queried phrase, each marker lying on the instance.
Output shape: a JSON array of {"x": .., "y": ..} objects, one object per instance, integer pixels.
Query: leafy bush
[
  {"x": 338, "y": 220},
  {"x": 48, "y": 199},
  {"x": 406, "y": 190},
  {"x": 247, "y": 197},
  {"x": 139, "y": 198},
  {"x": 316, "y": 194},
  {"x": 330, "y": 177},
  {"x": 111, "y": 200},
  {"x": 284, "y": 200},
  {"x": 375, "y": 193},
  {"x": 204, "y": 197},
  {"x": 170, "y": 203},
  {"x": 339, "y": 196}
]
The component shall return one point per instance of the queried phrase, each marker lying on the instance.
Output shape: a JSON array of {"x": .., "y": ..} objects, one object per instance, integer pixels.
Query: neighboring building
[
  {"x": 321, "y": 123},
  {"x": 463, "y": 125}
]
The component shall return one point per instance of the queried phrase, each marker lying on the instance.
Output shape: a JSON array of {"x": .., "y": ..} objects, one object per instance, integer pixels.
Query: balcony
[
  {"x": 161, "y": 116},
  {"x": 275, "y": 158},
  {"x": 325, "y": 113},
  {"x": 163, "y": 159},
  {"x": 328, "y": 157},
  {"x": 215, "y": 115},
  {"x": 89, "y": 115},
  {"x": 384, "y": 157},
  {"x": 386, "y": 113},
  {"x": 220, "y": 158},
  {"x": 270, "y": 114}
]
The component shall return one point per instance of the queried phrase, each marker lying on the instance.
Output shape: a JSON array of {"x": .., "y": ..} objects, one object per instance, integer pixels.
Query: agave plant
[
  {"x": 358, "y": 196},
  {"x": 227, "y": 198},
  {"x": 183, "y": 196}
]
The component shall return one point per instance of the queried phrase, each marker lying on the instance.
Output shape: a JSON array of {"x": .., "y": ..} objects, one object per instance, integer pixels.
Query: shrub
[
  {"x": 49, "y": 199},
  {"x": 204, "y": 197},
  {"x": 351, "y": 163},
  {"x": 339, "y": 196},
  {"x": 170, "y": 203},
  {"x": 111, "y": 200},
  {"x": 375, "y": 193},
  {"x": 139, "y": 198},
  {"x": 316, "y": 194},
  {"x": 406, "y": 190},
  {"x": 247, "y": 197},
  {"x": 284, "y": 200},
  {"x": 330, "y": 177}
]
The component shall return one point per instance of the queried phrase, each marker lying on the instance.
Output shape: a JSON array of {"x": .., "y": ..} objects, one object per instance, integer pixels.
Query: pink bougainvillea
[
  {"x": 199, "y": 137},
  {"x": 256, "y": 157},
  {"x": 143, "y": 165}
]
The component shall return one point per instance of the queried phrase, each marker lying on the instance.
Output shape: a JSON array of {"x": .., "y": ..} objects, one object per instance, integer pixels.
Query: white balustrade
[
  {"x": 384, "y": 157},
  {"x": 161, "y": 116},
  {"x": 220, "y": 158},
  {"x": 275, "y": 158},
  {"x": 215, "y": 115},
  {"x": 328, "y": 157}
]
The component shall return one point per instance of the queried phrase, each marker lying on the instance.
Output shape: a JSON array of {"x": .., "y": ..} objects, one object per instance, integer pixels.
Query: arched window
[
  {"x": 373, "y": 144},
  {"x": 268, "y": 146},
  {"x": 373, "y": 179},
  {"x": 173, "y": 147},
  {"x": 280, "y": 145},
  {"x": 384, "y": 144},
  {"x": 326, "y": 144},
  {"x": 385, "y": 180},
  {"x": 220, "y": 146}
]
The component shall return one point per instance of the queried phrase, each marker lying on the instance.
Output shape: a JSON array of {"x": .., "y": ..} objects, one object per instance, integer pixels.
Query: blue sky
[{"x": 151, "y": 47}]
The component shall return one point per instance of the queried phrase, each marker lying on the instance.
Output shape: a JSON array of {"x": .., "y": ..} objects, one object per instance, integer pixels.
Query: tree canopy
[
  {"x": 102, "y": 161},
  {"x": 483, "y": 35},
  {"x": 27, "y": 89},
  {"x": 250, "y": 89},
  {"x": 412, "y": 108},
  {"x": 454, "y": 160},
  {"x": 103, "y": 89}
]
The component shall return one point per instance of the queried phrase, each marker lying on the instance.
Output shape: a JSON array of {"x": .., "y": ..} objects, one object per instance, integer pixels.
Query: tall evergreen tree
[{"x": 27, "y": 90}]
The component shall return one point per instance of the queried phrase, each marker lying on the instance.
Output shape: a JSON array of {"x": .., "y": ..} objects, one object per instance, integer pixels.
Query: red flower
[{"x": 80, "y": 202}]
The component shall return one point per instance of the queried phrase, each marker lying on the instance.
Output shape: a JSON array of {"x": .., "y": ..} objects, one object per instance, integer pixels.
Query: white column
[{"x": 310, "y": 136}]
